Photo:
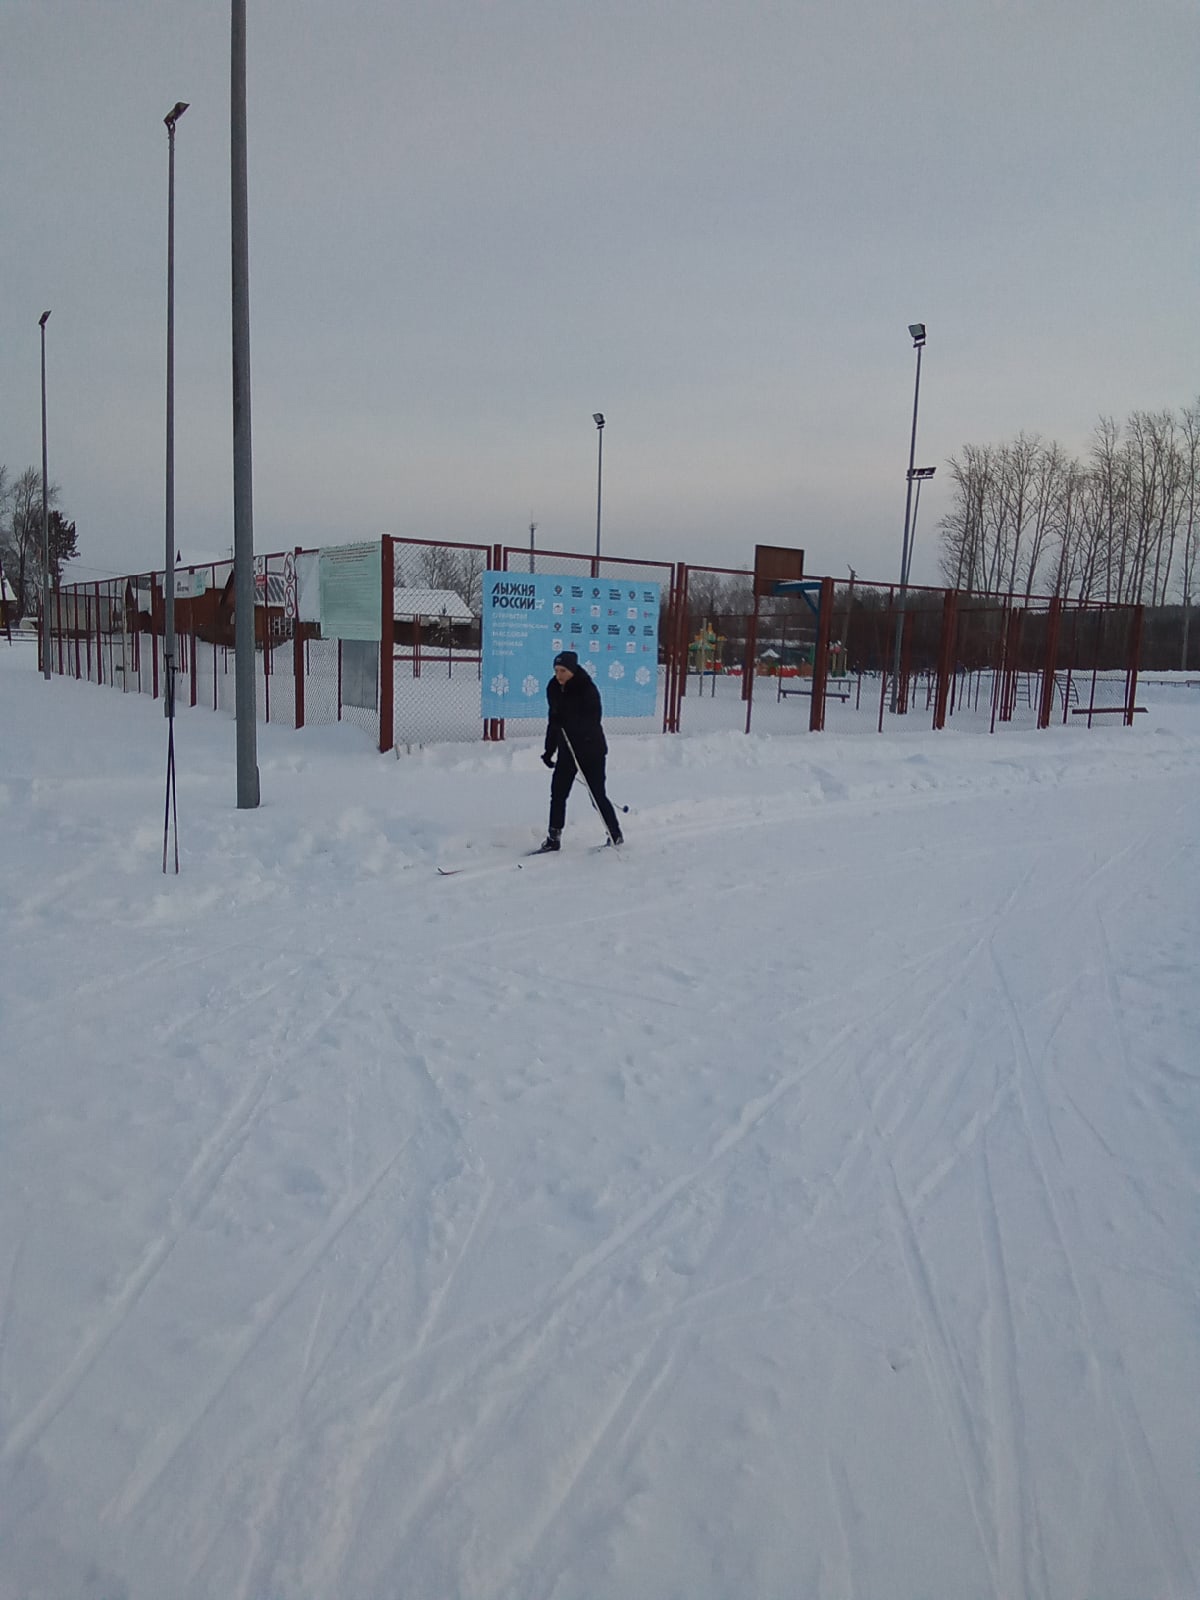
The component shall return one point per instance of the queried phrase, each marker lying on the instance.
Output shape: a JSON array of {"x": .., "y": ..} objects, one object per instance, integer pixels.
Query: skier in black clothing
[{"x": 575, "y": 742}]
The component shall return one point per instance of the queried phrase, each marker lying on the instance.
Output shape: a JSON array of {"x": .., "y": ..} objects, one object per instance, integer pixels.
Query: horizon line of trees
[
  {"x": 21, "y": 538},
  {"x": 1120, "y": 525}
]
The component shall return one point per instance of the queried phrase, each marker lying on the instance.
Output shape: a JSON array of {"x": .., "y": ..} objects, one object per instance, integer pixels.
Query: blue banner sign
[{"x": 611, "y": 624}]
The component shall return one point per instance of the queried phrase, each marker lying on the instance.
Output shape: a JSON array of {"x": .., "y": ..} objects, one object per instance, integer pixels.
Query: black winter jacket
[{"x": 575, "y": 710}]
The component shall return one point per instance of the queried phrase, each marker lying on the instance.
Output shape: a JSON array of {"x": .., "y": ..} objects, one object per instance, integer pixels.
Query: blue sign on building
[{"x": 611, "y": 624}]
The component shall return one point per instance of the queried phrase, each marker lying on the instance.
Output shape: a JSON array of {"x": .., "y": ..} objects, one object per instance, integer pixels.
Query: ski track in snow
[
  {"x": 1143, "y": 1473},
  {"x": 710, "y": 1227}
]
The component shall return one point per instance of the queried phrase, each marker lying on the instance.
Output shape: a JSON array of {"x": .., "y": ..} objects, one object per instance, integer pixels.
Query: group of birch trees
[{"x": 1120, "y": 525}]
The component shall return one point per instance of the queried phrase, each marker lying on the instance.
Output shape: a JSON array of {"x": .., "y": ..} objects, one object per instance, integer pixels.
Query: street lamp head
[
  {"x": 598, "y": 418},
  {"x": 921, "y": 473},
  {"x": 43, "y": 319},
  {"x": 917, "y": 329},
  {"x": 176, "y": 111}
]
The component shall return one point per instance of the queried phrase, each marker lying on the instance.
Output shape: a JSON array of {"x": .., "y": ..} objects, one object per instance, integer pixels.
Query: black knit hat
[{"x": 568, "y": 659}]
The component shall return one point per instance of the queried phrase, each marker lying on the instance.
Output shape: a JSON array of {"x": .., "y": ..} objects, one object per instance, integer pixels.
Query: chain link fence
[{"x": 846, "y": 657}]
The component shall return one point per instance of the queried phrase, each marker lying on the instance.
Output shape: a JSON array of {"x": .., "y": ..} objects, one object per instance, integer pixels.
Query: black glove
[{"x": 547, "y": 760}]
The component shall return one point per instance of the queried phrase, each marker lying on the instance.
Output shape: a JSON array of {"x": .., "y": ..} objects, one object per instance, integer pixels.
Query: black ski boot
[{"x": 552, "y": 841}]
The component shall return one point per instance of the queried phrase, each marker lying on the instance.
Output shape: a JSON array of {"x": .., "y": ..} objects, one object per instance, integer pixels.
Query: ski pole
[{"x": 584, "y": 776}]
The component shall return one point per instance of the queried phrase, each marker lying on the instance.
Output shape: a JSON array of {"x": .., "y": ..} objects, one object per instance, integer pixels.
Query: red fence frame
[{"x": 1017, "y": 638}]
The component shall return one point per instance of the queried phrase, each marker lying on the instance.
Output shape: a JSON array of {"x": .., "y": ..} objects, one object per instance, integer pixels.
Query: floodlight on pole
[
  {"x": 917, "y": 331},
  {"x": 42, "y": 321},
  {"x": 918, "y": 475},
  {"x": 598, "y": 419}
]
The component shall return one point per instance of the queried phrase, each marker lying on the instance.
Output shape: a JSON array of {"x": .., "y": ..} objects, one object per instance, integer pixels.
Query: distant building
[{"x": 439, "y": 616}]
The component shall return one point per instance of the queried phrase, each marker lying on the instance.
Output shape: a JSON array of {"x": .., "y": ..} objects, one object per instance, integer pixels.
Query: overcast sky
[{"x": 473, "y": 223}]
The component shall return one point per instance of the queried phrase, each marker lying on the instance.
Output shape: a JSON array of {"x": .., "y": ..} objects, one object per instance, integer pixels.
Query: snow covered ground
[{"x": 802, "y": 1203}]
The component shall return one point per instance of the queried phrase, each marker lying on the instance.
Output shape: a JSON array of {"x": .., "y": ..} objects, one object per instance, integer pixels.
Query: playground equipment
[{"x": 706, "y": 650}]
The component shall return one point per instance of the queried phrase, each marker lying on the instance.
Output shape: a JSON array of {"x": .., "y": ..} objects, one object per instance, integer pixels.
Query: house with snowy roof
[{"x": 433, "y": 617}]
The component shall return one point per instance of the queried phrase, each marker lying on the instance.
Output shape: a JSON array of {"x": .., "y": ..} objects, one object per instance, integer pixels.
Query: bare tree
[
  {"x": 1171, "y": 473},
  {"x": 457, "y": 568},
  {"x": 1121, "y": 527},
  {"x": 1190, "y": 456},
  {"x": 1047, "y": 488},
  {"x": 962, "y": 528},
  {"x": 1076, "y": 535},
  {"x": 1111, "y": 470},
  {"x": 23, "y": 539}
]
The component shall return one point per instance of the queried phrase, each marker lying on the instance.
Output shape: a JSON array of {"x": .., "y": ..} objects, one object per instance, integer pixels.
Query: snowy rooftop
[{"x": 411, "y": 602}]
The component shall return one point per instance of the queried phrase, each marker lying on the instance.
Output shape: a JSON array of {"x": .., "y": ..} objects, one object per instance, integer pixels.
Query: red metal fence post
[
  {"x": 387, "y": 643},
  {"x": 298, "y": 648},
  {"x": 820, "y": 674},
  {"x": 1131, "y": 671},
  {"x": 268, "y": 653},
  {"x": 676, "y": 647},
  {"x": 679, "y": 643},
  {"x": 945, "y": 660},
  {"x": 748, "y": 663},
  {"x": 1050, "y": 662},
  {"x": 494, "y": 728},
  {"x": 153, "y": 641}
]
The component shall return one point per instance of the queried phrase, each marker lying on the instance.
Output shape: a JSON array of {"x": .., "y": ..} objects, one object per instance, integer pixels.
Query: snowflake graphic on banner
[{"x": 528, "y": 617}]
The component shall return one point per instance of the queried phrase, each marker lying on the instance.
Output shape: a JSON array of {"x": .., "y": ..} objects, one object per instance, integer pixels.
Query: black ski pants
[{"x": 591, "y": 768}]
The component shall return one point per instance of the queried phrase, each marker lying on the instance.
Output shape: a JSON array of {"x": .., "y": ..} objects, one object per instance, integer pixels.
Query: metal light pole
[
  {"x": 171, "y": 118},
  {"x": 245, "y": 699},
  {"x": 917, "y": 330},
  {"x": 42, "y": 321},
  {"x": 532, "y": 531},
  {"x": 919, "y": 475},
  {"x": 598, "y": 419}
]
